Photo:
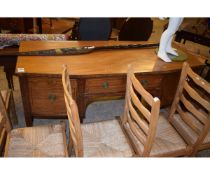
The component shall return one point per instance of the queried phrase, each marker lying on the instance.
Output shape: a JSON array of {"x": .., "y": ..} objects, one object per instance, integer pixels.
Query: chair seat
[
  {"x": 167, "y": 141},
  {"x": 189, "y": 134},
  {"x": 37, "y": 141},
  {"x": 105, "y": 139}
]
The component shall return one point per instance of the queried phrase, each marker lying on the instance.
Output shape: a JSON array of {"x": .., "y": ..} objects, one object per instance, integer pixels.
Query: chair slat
[
  {"x": 199, "y": 115},
  {"x": 199, "y": 81},
  {"x": 136, "y": 131},
  {"x": 137, "y": 118},
  {"x": 3, "y": 136},
  {"x": 2, "y": 123},
  {"x": 196, "y": 96},
  {"x": 139, "y": 88},
  {"x": 188, "y": 120},
  {"x": 138, "y": 104},
  {"x": 197, "y": 119}
]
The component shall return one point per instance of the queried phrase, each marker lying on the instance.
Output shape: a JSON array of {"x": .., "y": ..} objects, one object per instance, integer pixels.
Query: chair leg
[
  {"x": 12, "y": 110},
  {"x": 70, "y": 145}
]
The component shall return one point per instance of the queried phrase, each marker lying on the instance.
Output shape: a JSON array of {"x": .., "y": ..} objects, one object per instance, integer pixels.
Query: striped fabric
[{"x": 15, "y": 39}]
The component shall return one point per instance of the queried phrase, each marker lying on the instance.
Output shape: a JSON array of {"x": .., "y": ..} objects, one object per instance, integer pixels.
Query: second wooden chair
[
  {"x": 148, "y": 128},
  {"x": 100, "y": 139},
  {"x": 190, "y": 111},
  {"x": 37, "y": 141}
]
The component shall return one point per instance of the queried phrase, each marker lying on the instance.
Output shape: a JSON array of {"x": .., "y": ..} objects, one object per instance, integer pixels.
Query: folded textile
[{"x": 14, "y": 39}]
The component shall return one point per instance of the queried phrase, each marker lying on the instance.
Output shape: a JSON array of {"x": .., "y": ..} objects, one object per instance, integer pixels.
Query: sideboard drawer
[
  {"x": 105, "y": 85},
  {"x": 47, "y": 96},
  {"x": 150, "y": 81}
]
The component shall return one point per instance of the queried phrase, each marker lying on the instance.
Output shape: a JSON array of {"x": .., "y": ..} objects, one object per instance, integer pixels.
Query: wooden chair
[
  {"x": 149, "y": 131},
  {"x": 8, "y": 98},
  {"x": 100, "y": 139},
  {"x": 190, "y": 111},
  {"x": 37, "y": 141},
  {"x": 5, "y": 124},
  {"x": 9, "y": 103}
]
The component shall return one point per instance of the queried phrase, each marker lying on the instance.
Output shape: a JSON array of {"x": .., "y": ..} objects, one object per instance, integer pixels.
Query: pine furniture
[
  {"x": 190, "y": 111},
  {"x": 149, "y": 130},
  {"x": 100, "y": 139},
  {"x": 38, "y": 141}
]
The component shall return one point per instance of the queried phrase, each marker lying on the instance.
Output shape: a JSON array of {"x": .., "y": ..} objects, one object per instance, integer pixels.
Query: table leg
[
  {"x": 26, "y": 102},
  {"x": 80, "y": 99}
]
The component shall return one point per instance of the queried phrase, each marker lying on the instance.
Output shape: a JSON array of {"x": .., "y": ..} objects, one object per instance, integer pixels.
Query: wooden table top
[{"x": 98, "y": 62}]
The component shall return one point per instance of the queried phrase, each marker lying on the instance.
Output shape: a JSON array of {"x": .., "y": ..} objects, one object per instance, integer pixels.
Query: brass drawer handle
[
  {"x": 144, "y": 82},
  {"x": 105, "y": 84},
  {"x": 52, "y": 97}
]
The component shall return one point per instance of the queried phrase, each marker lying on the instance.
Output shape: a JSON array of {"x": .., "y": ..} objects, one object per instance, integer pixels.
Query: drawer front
[
  {"x": 109, "y": 85},
  {"x": 150, "y": 81},
  {"x": 156, "y": 92},
  {"x": 105, "y": 85},
  {"x": 47, "y": 96}
]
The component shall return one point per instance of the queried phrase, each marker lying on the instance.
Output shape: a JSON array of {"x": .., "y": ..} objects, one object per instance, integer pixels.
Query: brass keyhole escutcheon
[
  {"x": 52, "y": 97},
  {"x": 105, "y": 84}
]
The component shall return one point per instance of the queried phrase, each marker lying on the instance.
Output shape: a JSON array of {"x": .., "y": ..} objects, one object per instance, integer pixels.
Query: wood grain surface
[{"x": 99, "y": 62}]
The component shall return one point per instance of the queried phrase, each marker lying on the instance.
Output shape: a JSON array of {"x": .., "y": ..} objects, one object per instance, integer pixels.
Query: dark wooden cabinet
[{"x": 16, "y": 25}]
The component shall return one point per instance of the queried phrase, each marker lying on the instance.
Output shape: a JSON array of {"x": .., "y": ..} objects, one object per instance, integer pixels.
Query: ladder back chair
[
  {"x": 5, "y": 124},
  {"x": 37, "y": 141},
  {"x": 149, "y": 131},
  {"x": 99, "y": 139},
  {"x": 8, "y": 99},
  {"x": 190, "y": 110},
  {"x": 9, "y": 103}
]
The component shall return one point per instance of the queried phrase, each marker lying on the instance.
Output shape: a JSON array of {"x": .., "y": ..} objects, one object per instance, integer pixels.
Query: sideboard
[{"x": 99, "y": 75}]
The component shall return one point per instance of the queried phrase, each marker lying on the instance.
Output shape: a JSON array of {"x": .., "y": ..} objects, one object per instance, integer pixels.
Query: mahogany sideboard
[{"x": 99, "y": 75}]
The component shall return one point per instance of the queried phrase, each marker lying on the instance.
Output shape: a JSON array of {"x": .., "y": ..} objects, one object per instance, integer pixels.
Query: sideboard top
[{"x": 97, "y": 62}]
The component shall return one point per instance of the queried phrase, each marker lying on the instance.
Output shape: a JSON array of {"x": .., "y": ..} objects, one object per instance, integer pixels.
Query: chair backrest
[
  {"x": 5, "y": 125},
  {"x": 136, "y": 29},
  {"x": 91, "y": 29},
  {"x": 73, "y": 115},
  {"x": 192, "y": 103},
  {"x": 142, "y": 119}
]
